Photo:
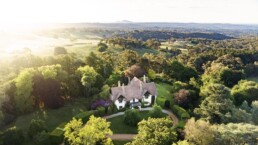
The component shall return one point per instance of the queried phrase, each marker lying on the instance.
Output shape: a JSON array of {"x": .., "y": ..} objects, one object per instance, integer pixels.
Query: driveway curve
[{"x": 131, "y": 136}]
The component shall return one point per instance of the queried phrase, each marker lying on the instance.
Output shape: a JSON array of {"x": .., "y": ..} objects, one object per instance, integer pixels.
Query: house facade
[{"x": 136, "y": 93}]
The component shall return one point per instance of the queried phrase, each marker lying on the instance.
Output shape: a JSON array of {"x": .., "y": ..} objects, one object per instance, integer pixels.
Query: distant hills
[
  {"x": 233, "y": 30},
  {"x": 165, "y": 35}
]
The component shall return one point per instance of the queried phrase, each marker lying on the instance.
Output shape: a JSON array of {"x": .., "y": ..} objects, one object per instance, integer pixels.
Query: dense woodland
[{"x": 212, "y": 77}]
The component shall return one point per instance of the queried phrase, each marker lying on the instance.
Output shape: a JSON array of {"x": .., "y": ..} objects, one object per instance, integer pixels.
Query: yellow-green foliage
[
  {"x": 50, "y": 71},
  {"x": 24, "y": 83},
  {"x": 96, "y": 129}
]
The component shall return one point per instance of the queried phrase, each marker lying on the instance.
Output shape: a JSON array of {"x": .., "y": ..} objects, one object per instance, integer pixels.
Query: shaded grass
[
  {"x": 118, "y": 125},
  {"x": 53, "y": 117},
  {"x": 120, "y": 142},
  {"x": 255, "y": 79},
  {"x": 163, "y": 93},
  {"x": 82, "y": 50}
]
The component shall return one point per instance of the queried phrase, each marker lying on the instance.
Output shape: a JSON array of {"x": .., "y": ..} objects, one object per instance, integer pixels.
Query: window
[
  {"x": 146, "y": 95},
  {"x": 120, "y": 99}
]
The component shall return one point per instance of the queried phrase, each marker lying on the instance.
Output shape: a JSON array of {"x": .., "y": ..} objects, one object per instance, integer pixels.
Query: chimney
[
  {"x": 123, "y": 88},
  {"x": 144, "y": 79},
  {"x": 118, "y": 84},
  {"x": 141, "y": 86},
  {"x": 129, "y": 80}
]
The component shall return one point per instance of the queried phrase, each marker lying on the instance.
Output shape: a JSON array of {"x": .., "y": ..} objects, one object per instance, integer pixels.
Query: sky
[{"x": 77, "y": 11}]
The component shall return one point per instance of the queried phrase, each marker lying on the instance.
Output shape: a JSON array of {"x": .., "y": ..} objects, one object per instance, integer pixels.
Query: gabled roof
[{"x": 134, "y": 90}]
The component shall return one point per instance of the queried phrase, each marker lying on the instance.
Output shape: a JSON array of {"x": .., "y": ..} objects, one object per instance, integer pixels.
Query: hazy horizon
[{"x": 110, "y": 11}]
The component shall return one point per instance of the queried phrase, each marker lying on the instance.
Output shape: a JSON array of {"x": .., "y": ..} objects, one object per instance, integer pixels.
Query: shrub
[
  {"x": 57, "y": 135},
  {"x": 112, "y": 109},
  {"x": 167, "y": 104},
  {"x": 100, "y": 112},
  {"x": 36, "y": 126},
  {"x": 156, "y": 112},
  {"x": 85, "y": 116},
  {"x": 42, "y": 138},
  {"x": 100, "y": 103},
  {"x": 132, "y": 117},
  {"x": 181, "y": 112},
  {"x": 12, "y": 136}
]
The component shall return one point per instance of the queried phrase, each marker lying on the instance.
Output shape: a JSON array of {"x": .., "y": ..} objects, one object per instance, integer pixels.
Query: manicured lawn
[
  {"x": 120, "y": 142},
  {"x": 255, "y": 79},
  {"x": 118, "y": 125},
  {"x": 53, "y": 117},
  {"x": 163, "y": 93}
]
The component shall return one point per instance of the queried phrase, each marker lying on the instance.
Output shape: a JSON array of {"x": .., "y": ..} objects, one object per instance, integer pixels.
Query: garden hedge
[
  {"x": 57, "y": 135},
  {"x": 180, "y": 112},
  {"x": 85, "y": 116}
]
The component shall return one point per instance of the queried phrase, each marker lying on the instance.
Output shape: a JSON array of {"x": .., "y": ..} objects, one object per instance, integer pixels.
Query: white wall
[
  {"x": 122, "y": 104},
  {"x": 135, "y": 100},
  {"x": 147, "y": 100}
]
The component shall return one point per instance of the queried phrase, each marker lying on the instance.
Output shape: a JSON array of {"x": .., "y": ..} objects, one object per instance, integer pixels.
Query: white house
[{"x": 135, "y": 93}]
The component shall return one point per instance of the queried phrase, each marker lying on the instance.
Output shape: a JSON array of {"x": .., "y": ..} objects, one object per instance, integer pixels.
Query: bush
[
  {"x": 156, "y": 112},
  {"x": 12, "y": 136},
  {"x": 100, "y": 112},
  {"x": 85, "y": 116},
  {"x": 167, "y": 104},
  {"x": 132, "y": 117},
  {"x": 57, "y": 135},
  {"x": 112, "y": 109},
  {"x": 181, "y": 112},
  {"x": 42, "y": 138},
  {"x": 36, "y": 126}
]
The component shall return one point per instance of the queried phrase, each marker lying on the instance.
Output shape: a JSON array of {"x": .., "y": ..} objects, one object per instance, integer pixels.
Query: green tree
[
  {"x": 254, "y": 111},
  {"x": 88, "y": 76},
  {"x": 59, "y": 51},
  {"x": 180, "y": 72},
  {"x": 36, "y": 127},
  {"x": 95, "y": 131},
  {"x": 151, "y": 74},
  {"x": 245, "y": 91},
  {"x": 72, "y": 130},
  {"x": 216, "y": 103},
  {"x": 102, "y": 47},
  {"x": 154, "y": 131},
  {"x": 12, "y": 136},
  {"x": 132, "y": 117},
  {"x": 24, "y": 101},
  {"x": 199, "y": 132},
  {"x": 156, "y": 112}
]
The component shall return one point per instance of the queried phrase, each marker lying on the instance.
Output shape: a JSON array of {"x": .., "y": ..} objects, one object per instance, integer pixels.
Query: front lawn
[
  {"x": 163, "y": 93},
  {"x": 118, "y": 125}
]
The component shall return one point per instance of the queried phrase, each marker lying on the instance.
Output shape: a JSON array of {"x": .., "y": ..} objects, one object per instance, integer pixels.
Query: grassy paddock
[
  {"x": 163, "y": 93},
  {"x": 53, "y": 117}
]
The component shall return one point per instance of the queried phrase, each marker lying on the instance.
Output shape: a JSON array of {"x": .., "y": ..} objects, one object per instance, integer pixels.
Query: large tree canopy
[
  {"x": 245, "y": 91},
  {"x": 95, "y": 131},
  {"x": 154, "y": 131},
  {"x": 216, "y": 103},
  {"x": 24, "y": 100}
]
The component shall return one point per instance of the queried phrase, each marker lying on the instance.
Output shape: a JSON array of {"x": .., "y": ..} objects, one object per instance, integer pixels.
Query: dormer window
[
  {"x": 146, "y": 95},
  {"x": 120, "y": 99}
]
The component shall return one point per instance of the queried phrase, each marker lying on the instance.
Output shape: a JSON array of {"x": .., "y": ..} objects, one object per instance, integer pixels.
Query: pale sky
[{"x": 73, "y": 11}]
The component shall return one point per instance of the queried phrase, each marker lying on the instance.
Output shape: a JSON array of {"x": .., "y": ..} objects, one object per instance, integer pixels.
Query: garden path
[{"x": 131, "y": 136}]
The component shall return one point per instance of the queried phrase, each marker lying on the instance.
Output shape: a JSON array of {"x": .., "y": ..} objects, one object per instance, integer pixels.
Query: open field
[
  {"x": 163, "y": 93},
  {"x": 53, "y": 117}
]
